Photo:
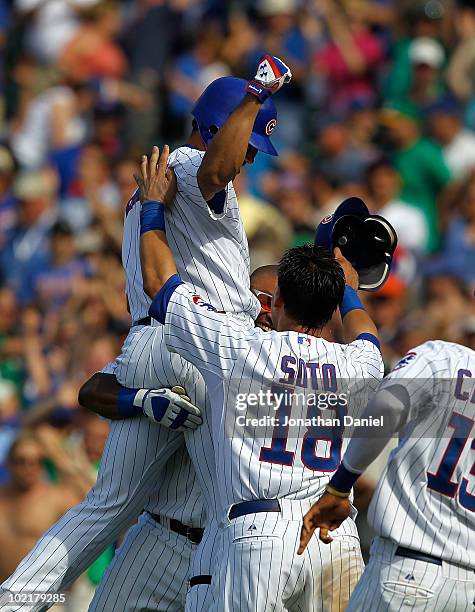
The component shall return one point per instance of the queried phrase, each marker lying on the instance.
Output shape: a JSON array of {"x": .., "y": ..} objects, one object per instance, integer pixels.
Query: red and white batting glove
[{"x": 271, "y": 75}]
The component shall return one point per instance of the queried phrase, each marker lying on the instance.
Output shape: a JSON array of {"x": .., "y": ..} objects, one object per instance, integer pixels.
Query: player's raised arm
[
  {"x": 155, "y": 182},
  {"x": 357, "y": 324},
  {"x": 230, "y": 147}
]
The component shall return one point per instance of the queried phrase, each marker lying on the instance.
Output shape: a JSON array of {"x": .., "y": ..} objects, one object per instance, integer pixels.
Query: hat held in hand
[{"x": 367, "y": 241}]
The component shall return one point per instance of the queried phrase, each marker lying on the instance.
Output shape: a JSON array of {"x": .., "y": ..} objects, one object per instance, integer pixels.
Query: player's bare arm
[
  {"x": 230, "y": 147},
  {"x": 154, "y": 181},
  {"x": 355, "y": 320},
  {"x": 103, "y": 395}
]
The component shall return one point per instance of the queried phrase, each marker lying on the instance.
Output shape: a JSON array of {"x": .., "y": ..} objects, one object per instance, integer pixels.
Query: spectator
[
  {"x": 93, "y": 52},
  {"x": 7, "y": 201},
  {"x": 27, "y": 242},
  {"x": 24, "y": 515},
  {"x": 457, "y": 142},
  {"x": 337, "y": 158},
  {"x": 51, "y": 24},
  {"x": 350, "y": 59},
  {"x": 427, "y": 57},
  {"x": 384, "y": 186},
  {"x": 268, "y": 232},
  {"x": 420, "y": 163},
  {"x": 51, "y": 123},
  {"x": 193, "y": 71},
  {"x": 52, "y": 285},
  {"x": 458, "y": 254}
]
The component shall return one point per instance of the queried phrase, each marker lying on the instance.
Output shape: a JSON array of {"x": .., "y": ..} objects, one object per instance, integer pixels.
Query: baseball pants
[
  {"x": 392, "y": 582},
  {"x": 260, "y": 570}
]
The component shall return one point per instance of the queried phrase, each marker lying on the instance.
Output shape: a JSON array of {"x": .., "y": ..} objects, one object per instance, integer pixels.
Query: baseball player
[
  {"x": 125, "y": 569},
  {"x": 207, "y": 235},
  {"x": 423, "y": 509},
  {"x": 266, "y": 479}
]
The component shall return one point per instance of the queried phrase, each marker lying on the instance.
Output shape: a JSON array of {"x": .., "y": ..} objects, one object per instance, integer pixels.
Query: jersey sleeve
[
  {"x": 185, "y": 164},
  {"x": 367, "y": 354},
  {"x": 206, "y": 337},
  {"x": 417, "y": 373}
]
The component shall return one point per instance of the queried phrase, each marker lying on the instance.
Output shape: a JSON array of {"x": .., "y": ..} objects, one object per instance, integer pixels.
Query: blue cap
[
  {"x": 219, "y": 100},
  {"x": 350, "y": 206}
]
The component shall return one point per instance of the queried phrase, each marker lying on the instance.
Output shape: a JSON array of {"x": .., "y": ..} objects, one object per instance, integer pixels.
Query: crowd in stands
[{"x": 381, "y": 105}]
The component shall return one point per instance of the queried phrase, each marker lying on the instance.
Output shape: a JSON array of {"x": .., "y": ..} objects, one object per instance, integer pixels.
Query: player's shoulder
[
  {"x": 434, "y": 357},
  {"x": 438, "y": 349},
  {"x": 185, "y": 157}
]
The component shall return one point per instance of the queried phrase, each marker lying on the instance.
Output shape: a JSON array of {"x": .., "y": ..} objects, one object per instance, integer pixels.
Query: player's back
[
  {"x": 208, "y": 240},
  {"x": 426, "y": 498},
  {"x": 285, "y": 398}
]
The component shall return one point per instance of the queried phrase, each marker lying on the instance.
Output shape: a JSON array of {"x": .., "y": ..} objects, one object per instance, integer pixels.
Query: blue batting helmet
[
  {"x": 367, "y": 241},
  {"x": 219, "y": 100}
]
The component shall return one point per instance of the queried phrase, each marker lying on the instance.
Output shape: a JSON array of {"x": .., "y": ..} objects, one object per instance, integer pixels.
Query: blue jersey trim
[
  {"x": 370, "y": 338},
  {"x": 159, "y": 305}
]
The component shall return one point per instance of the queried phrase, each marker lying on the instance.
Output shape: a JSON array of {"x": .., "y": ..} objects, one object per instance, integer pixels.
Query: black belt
[
  {"x": 253, "y": 507},
  {"x": 402, "y": 551},
  {"x": 194, "y": 534},
  {"x": 144, "y": 321},
  {"x": 203, "y": 579}
]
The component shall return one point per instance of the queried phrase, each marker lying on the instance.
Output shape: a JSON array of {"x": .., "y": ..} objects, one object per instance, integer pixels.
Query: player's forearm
[
  {"x": 356, "y": 321},
  {"x": 156, "y": 261},
  {"x": 227, "y": 150},
  {"x": 100, "y": 395}
]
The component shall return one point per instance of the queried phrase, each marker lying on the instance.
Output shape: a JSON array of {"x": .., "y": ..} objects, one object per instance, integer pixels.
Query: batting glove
[
  {"x": 271, "y": 75},
  {"x": 171, "y": 408}
]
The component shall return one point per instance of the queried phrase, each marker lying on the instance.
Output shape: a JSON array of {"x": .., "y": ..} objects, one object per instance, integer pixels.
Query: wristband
[
  {"x": 152, "y": 216},
  {"x": 335, "y": 492},
  {"x": 258, "y": 90},
  {"x": 343, "y": 479},
  {"x": 350, "y": 302},
  {"x": 125, "y": 403}
]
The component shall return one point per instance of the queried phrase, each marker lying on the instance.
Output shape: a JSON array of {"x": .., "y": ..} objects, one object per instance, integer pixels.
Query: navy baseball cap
[{"x": 350, "y": 206}]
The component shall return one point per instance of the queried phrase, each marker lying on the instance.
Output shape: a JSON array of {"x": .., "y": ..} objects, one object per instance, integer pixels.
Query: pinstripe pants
[
  {"x": 150, "y": 571},
  {"x": 205, "y": 561},
  {"x": 392, "y": 583},
  {"x": 260, "y": 570}
]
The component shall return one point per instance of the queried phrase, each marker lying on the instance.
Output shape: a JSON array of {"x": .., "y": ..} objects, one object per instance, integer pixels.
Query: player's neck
[
  {"x": 195, "y": 140},
  {"x": 287, "y": 324}
]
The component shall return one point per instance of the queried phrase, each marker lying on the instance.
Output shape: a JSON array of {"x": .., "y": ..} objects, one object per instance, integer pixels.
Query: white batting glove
[
  {"x": 170, "y": 408},
  {"x": 271, "y": 75}
]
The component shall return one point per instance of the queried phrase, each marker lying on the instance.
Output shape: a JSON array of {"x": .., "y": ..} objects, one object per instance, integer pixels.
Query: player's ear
[{"x": 277, "y": 300}]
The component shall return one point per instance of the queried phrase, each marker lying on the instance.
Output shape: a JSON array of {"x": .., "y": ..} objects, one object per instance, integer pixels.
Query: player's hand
[
  {"x": 327, "y": 514},
  {"x": 172, "y": 408},
  {"x": 351, "y": 275},
  {"x": 155, "y": 178},
  {"x": 270, "y": 76}
]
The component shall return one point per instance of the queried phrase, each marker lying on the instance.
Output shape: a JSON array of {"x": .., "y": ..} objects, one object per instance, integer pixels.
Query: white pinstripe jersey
[
  {"x": 426, "y": 497},
  {"x": 234, "y": 360},
  {"x": 139, "y": 302},
  {"x": 210, "y": 248}
]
